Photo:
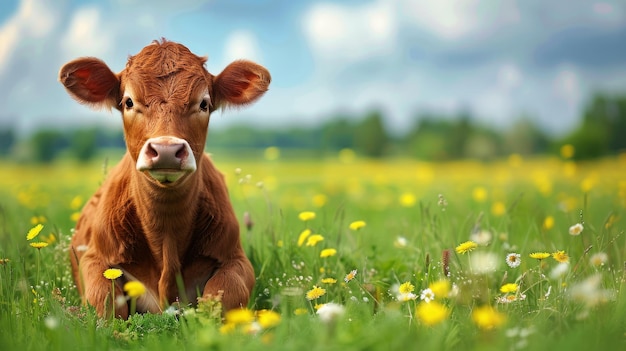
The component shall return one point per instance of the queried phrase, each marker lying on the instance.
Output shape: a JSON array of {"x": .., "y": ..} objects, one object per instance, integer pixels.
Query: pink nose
[{"x": 164, "y": 155}]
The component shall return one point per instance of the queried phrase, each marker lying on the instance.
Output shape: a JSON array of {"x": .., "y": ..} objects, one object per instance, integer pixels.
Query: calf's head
[{"x": 166, "y": 96}]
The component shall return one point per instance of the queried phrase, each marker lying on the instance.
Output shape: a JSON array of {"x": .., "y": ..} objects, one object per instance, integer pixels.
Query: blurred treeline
[{"x": 601, "y": 132}]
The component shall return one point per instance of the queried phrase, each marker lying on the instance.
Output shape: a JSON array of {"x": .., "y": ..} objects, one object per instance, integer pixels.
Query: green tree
[
  {"x": 46, "y": 144},
  {"x": 83, "y": 144},
  {"x": 370, "y": 137}
]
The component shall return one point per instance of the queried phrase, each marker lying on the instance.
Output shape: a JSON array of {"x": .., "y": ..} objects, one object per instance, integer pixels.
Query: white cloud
[
  {"x": 241, "y": 44},
  {"x": 457, "y": 19},
  {"x": 567, "y": 86},
  {"x": 32, "y": 19},
  {"x": 350, "y": 32},
  {"x": 86, "y": 34},
  {"x": 509, "y": 77}
]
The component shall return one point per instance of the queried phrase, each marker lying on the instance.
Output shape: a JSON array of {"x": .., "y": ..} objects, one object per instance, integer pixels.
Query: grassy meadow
[{"x": 352, "y": 254}]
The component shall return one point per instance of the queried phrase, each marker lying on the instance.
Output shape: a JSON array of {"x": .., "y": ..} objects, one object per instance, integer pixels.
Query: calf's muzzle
[{"x": 166, "y": 158}]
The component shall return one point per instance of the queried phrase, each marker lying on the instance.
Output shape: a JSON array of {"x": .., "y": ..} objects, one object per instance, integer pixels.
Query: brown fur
[{"x": 162, "y": 235}]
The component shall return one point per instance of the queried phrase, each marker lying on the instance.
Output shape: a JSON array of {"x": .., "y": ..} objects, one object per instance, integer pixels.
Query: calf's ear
[
  {"x": 240, "y": 83},
  {"x": 91, "y": 82}
]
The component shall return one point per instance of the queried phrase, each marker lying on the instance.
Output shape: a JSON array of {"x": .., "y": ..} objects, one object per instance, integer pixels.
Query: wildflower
[
  {"x": 509, "y": 288},
  {"x": 513, "y": 260},
  {"x": 305, "y": 234},
  {"x": 479, "y": 194},
  {"x": 484, "y": 262},
  {"x": 315, "y": 293},
  {"x": 34, "y": 231},
  {"x": 486, "y": 317},
  {"x": 406, "y": 288},
  {"x": 267, "y": 318},
  {"x": 510, "y": 298},
  {"x": 227, "y": 328},
  {"x": 300, "y": 311},
  {"x": 466, "y": 247},
  {"x": 306, "y": 216},
  {"x": 560, "y": 256},
  {"x": 539, "y": 255},
  {"x": 239, "y": 316},
  {"x": 548, "y": 223},
  {"x": 112, "y": 273},
  {"x": 407, "y": 200},
  {"x": 356, "y": 225},
  {"x": 271, "y": 153},
  {"x": 400, "y": 242},
  {"x": 314, "y": 239},
  {"x": 134, "y": 288},
  {"x": 329, "y": 280},
  {"x": 599, "y": 259},
  {"x": 481, "y": 237},
  {"x": 498, "y": 208},
  {"x": 319, "y": 200},
  {"x": 576, "y": 229},
  {"x": 567, "y": 151},
  {"x": 4, "y": 261},
  {"x": 75, "y": 216},
  {"x": 427, "y": 295},
  {"x": 432, "y": 313},
  {"x": 39, "y": 245},
  {"x": 350, "y": 276},
  {"x": 76, "y": 202},
  {"x": 328, "y": 253},
  {"x": 590, "y": 291},
  {"x": 440, "y": 288},
  {"x": 329, "y": 312},
  {"x": 406, "y": 297},
  {"x": 559, "y": 271}
]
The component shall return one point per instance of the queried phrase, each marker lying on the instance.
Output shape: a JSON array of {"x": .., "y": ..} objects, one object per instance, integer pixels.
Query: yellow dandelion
[
  {"x": 280, "y": 243},
  {"x": 539, "y": 255},
  {"x": 560, "y": 256},
  {"x": 34, "y": 231},
  {"x": 479, "y": 194},
  {"x": 306, "y": 216},
  {"x": 112, "y": 273},
  {"x": 486, "y": 317},
  {"x": 239, "y": 316},
  {"x": 271, "y": 153},
  {"x": 319, "y": 200},
  {"x": 39, "y": 245},
  {"x": 314, "y": 239},
  {"x": 350, "y": 276},
  {"x": 407, "y": 200},
  {"x": 227, "y": 328},
  {"x": 76, "y": 202},
  {"x": 356, "y": 225},
  {"x": 315, "y": 293},
  {"x": 498, "y": 208},
  {"x": 134, "y": 288},
  {"x": 466, "y": 247},
  {"x": 75, "y": 216},
  {"x": 432, "y": 313},
  {"x": 548, "y": 223},
  {"x": 406, "y": 288},
  {"x": 440, "y": 288},
  {"x": 300, "y": 311},
  {"x": 567, "y": 151},
  {"x": 38, "y": 220},
  {"x": 267, "y": 318},
  {"x": 329, "y": 280},
  {"x": 509, "y": 288},
  {"x": 328, "y": 253},
  {"x": 305, "y": 234}
]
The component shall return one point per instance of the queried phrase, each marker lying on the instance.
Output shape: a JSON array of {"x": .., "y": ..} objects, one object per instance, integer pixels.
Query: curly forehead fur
[{"x": 166, "y": 71}]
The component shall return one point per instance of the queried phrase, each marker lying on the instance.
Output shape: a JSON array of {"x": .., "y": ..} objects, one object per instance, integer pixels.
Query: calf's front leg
[{"x": 235, "y": 278}]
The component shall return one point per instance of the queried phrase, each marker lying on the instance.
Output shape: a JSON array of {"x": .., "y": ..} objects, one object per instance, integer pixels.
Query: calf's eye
[
  {"x": 129, "y": 103},
  {"x": 204, "y": 106}
]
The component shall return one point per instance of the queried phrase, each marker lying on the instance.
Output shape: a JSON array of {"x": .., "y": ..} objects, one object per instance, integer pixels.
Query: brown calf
[{"x": 163, "y": 215}]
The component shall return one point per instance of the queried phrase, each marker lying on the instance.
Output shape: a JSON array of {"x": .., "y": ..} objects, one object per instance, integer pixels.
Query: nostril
[
  {"x": 182, "y": 152},
  {"x": 151, "y": 151}
]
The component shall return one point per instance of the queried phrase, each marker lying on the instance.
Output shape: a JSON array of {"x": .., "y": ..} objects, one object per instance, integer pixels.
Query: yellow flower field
[{"x": 351, "y": 254}]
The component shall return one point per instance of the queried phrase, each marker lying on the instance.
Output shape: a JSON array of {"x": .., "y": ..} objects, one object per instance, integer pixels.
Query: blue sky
[{"x": 498, "y": 59}]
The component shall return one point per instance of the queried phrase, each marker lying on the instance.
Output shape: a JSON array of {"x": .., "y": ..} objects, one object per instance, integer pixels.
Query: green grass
[{"x": 414, "y": 212}]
